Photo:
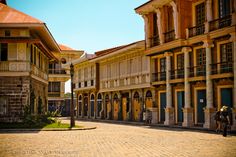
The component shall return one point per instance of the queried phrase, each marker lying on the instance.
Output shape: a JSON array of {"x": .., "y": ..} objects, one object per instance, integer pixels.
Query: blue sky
[{"x": 89, "y": 25}]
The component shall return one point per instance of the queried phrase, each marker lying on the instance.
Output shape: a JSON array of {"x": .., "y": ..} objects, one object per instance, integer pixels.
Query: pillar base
[
  {"x": 188, "y": 117},
  {"x": 233, "y": 126},
  {"x": 154, "y": 115},
  {"x": 169, "y": 116},
  {"x": 209, "y": 118}
]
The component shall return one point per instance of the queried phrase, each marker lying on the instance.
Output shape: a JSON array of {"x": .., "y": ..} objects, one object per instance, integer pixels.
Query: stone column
[
  {"x": 208, "y": 15},
  {"x": 169, "y": 111},
  {"x": 209, "y": 111},
  {"x": 176, "y": 19},
  {"x": 146, "y": 29},
  {"x": 233, "y": 39},
  {"x": 159, "y": 25},
  {"x": 188, "y": 110}
]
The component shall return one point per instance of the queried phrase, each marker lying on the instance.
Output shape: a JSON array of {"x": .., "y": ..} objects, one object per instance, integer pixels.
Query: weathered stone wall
[
  {"x": 15, "y": 90},
  {"x": 40, "y": 90}
]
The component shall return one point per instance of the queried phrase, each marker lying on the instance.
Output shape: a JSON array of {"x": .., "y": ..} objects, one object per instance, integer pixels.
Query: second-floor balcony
[
  {"x": 54, "y": 94},
  {"x": 56, "y": 71},
  {"x": 199, "y": 70},
  {"x": 197, "y": 30},
  {"x": 177, "y": 73},
  {"x": 154, "y": 41},
  {"x": 159, "y": 76},
  {"x": 169, "y": 36},
  {"x": 220, "y": 23},
  {"x": 223, "y": 67}
]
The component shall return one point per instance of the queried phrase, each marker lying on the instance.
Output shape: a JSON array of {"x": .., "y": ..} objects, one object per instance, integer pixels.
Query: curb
[{"x": 47, "y": 129}]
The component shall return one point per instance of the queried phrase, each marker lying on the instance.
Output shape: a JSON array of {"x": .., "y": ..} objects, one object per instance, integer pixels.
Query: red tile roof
[
  {"x": 65, "y": 48},
  {"x": 111, "y": 50},
  {"x": 10, "y": 15}
]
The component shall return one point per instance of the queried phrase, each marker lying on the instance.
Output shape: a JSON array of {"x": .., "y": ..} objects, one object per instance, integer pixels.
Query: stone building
[
  {"x": 115, "y": 84},
  {"x": 58, "y": 76},
  {"x": 26, "y": 48},
  {"x": 191, "y": 44}
]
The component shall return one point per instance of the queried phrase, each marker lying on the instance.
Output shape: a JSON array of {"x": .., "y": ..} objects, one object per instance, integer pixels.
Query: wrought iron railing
[
  {"x": 154, "y": 41},
  {"x": 220, "y": 23},
  {"x": 223, "y": 67},
  {"x": 169, "y": 36},
  {"x": 177, "y": 73},
  {"x": 197, "y": 30},
  {"x": 160, "y": 76},
  {"x": 199, "y": 70}
]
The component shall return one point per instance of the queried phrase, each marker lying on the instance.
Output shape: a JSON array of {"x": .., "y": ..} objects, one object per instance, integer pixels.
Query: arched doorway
[
  {"x": 99, "y": 105},
  {"x": 136, "y": 107},
  {"x": 92, "y": 105},
  {"x": 148, "y": 99},
  {"x": 107, "y": 107},
  {"x": 86, "y": 105},
  {"x": 80, "y": 105},
  {"x": 125, "y": 105},
  {"x": 115, "y": 107}
]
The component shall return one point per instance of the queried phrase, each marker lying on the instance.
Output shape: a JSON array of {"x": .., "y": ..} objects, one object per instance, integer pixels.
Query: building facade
[
  {"x": 58, "y": 75},
  {"x": 115, "y": 84},
  {"x": 26, "y": 48},
  {"x": 192, "y": 48}
]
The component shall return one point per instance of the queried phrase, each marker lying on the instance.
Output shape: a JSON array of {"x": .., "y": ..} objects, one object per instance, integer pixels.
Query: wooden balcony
[
  {"x": 14, "y": 66},
  {"x": 169, "y": 36},
  {"x": 54, "y": 94},
  {"x": 38, "y": 72},
  {"x": 197, "y": 30},
  {"x": 220, "y": 23},
  {"x": 154, "y": 41},
  {"x": 56, "y": 71}
]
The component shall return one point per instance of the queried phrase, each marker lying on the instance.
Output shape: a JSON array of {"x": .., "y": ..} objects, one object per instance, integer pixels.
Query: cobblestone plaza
[{"x": 117, "y": 140}]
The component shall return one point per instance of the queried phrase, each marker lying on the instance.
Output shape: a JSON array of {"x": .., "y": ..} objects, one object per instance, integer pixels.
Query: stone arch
[
  {"x": 92, "y": 104},
  {"x": 80, "y": 100},
  {"x": 99, "y": 104}
]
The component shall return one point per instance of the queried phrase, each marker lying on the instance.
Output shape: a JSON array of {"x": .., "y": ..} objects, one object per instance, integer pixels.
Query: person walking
[
  {"x": 218, "y": 121},
  {"x": 224, "y": 116}
]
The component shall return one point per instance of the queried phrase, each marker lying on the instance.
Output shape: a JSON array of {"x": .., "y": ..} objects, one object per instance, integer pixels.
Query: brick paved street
[{"x": 117, "y": 140}]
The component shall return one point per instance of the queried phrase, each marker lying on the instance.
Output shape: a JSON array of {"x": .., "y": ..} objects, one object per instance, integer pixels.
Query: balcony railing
[
  {"x": 199, "y": 70},
  {"x": 154, "y": 41},
  {"x": 56, "y": 71},
  {"x": 39, "y": 72},
  {"x": 177, "y": 73},
  {"x": 160, "y": 76},
  {"x": 54, "y": 94},
  {"x": 197, "y": 30},
  {"x": 14, "y": 66},
  {"x": 169, "y": 36},
  {"x": 223, "y": 67},
  {"x": 220, "y": 23}
]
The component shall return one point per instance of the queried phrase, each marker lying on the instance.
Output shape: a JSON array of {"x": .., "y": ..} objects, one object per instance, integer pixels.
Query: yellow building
[
  {"x": 26, "y": 47},
  {"x": 192, "y": 48},
  {"x": 115, "y": 84},
  {"x": 58, "y": 76}
]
